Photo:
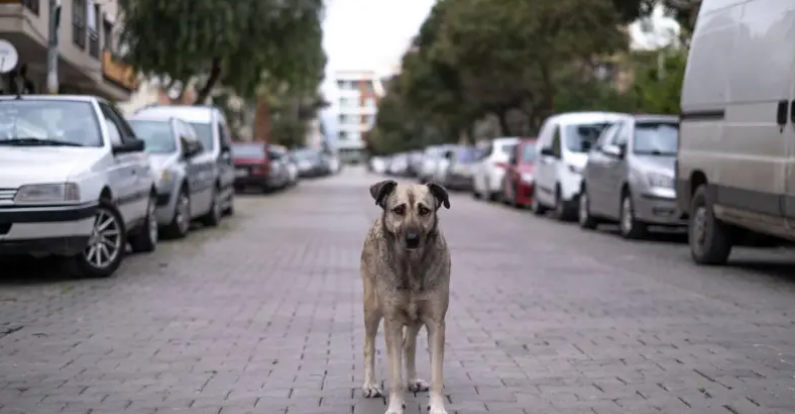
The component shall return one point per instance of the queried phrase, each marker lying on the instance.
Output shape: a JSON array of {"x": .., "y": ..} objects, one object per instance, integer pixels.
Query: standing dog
[{"x": 405, "y": 268}]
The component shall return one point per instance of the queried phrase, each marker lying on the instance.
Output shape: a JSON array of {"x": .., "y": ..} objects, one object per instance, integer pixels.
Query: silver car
[
  {"x": 184, "y": 172},
  {"x": 629, "y": 176}
]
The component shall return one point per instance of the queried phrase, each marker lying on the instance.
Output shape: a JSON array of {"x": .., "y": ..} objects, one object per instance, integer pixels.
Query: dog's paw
[
  {"x": 371, "y": 391},
  {"x": 436, "y": 410},
  {"x": 395, "y": 410},
  {"x": 417, "y": 385}
]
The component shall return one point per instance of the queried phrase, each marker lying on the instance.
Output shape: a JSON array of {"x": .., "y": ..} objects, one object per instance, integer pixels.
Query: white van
[
  {"x": 736, "y": 158},
  {"x": 563, "y": 145}
]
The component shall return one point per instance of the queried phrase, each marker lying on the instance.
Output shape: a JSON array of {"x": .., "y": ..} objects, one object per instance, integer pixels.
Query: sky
[{"x": 374, "y": 34}]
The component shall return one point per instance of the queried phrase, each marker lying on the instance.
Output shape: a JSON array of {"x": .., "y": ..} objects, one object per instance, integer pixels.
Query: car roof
[
  {"x": 83, "y": 98},
  {"x": 587, "y": 116},
  {"x": 655, "y": 118},
  {"x": 158, "y": 116},
  {"x": 189, "y": 113}
]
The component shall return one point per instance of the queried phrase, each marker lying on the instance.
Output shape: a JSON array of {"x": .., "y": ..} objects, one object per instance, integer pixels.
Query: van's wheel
[
  {"x": 535, "y": 206},
  {"x": 105, "y": 250},
  {"x": 584, "y": 217},
  {"x": 230, "y": 207},
  {"x": 628, "y": 225},
  {"x": 180, "y": 224},
  {"x": 213, "y": 217},
  {"x": 144, "y": 240},
  {"x": 710, "y": 239},
  {"x": 562, "y": 210}
]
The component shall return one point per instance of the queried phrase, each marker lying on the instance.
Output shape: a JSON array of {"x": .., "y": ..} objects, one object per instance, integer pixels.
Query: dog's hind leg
[
  {"x": 372, "y": 317},
  {"x": 410, "y": 354}
]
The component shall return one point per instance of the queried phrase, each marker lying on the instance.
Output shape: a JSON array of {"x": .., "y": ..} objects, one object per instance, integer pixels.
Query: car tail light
[{"x": 501, "y": 164}]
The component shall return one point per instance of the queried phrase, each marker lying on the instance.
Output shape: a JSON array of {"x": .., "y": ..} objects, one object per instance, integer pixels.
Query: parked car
[
  {"x": 398, "y": 165},
  {"x": 184, "y": 173},
  {"x": 311, "y": 163},
  {"x": 378, "y": 165},
  {"x": 488, "y": 174},
  {"x": 563, "y": 145},
  {"x": 430, "y": 162},
  {"x": 254, "y": 166},
  {"x": 734, "y": 175},
  {"x": 414, "y": 163},
  {"x": 629, "y": 176},
  {"x": 213, "y": 131},
  {"x": 75, "y": 182},
  {"x": 458, "y": 175},
  {"x": 519, "y": 178},
  {"x": 289, "y": 161}
]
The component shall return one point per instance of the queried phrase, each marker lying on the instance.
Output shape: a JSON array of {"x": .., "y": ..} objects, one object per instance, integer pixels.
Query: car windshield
[
  {"x": 659, "y": 138},
  {"x": 248, "y": 151},
  {"x": 157, "y": 135},
  {"x": 582, "y": 137},
  {"x": 204, "y": 130},
  {"x": 307, "y": 155},
  {"x": 45, "y": 122},
  {"x": 508, "y": 148},
  {"x": 529, "y": 152},
  {"x": 466, "y": 154}
]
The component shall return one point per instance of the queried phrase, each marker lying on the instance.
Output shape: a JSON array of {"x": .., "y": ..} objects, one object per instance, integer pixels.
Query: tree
[{"x": 223, "y": 42}]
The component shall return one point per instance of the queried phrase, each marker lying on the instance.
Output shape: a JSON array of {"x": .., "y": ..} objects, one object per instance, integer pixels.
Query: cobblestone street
[{"x": 263, "y": 315}]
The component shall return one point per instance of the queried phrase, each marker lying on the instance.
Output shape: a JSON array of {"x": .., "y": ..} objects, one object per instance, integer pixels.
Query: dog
[{"x": 405, "y": 267}]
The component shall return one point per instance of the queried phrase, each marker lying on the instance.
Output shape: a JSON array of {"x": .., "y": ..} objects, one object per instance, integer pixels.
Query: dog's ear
[
  {"x": 440, "y": 193},
  {"x": 381, "y": 190}
]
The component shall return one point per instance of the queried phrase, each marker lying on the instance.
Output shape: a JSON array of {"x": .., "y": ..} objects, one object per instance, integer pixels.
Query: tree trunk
[
  {"x": 215, "y": 75},
  {"x": 262, "y": 121},
  {"x": 502, "y": 116}
]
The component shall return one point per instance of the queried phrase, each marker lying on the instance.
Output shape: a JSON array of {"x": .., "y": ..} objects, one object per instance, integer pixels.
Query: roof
[
  {"x": 655, "y": 118},
  {"x": 83, "y": 98},
  {"x": 189, "y": 113},
  {"x": 156, "y": 116},
  {"x": 593, "y": 116}
]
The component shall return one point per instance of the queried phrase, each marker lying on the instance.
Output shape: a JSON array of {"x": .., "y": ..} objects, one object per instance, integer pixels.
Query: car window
[
  {"x": 64, "y": 122},
  {"x": 223, "y": 134},
  {"x": 655, "y": 138},
  {"x": 581, "y": 137},
  {"x": 557, "y": 151},
  {"x": 158, "y": 135},
  {"x": 607, "y": 135},
  {"x": 119, "y": 130},
  {"x": 619, "y": 139},
  {"x": 529, "y": 152},
  {"x": 204, "y": 131},
  {"x": 248, "y": 151}
]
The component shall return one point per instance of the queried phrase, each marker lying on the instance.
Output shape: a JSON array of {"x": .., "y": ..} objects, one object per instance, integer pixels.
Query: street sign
[{"x": 8, "y": 56}]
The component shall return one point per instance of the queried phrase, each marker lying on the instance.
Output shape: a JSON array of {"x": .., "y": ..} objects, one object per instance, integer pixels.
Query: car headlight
[
  {"x": 527, "y": 178},
  {"x": 575, "y": 169},
  {"x": 165, "y": 175},
  {"x": 657, "y": 180},
  {"x": 48, "y": 193}
]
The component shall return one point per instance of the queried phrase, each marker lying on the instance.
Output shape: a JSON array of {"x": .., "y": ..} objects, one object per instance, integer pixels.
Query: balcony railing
[{"x": 79, "y": 35}]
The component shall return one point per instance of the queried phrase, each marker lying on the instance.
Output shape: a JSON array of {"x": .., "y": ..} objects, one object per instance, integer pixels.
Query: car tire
[
  {"x": 508, "y": 201},
  {"x": 180, "y": 223},
  {"x": 628, "y": 225},
  {"x": 535, "y": 206},
  {"x": 213, "y": 217},
  {"x": 230, "y": 208},
  {"x": 112, "y": 234},
  {"x": 562, "y": 209},
  {"x": 584, "y": 217},
  {"x": 710, "y": 239},
  {"x": 144, "y": 239}
]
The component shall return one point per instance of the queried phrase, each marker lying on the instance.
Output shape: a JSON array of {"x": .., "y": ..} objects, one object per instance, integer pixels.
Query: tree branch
[{"x": 212, "y": 79}]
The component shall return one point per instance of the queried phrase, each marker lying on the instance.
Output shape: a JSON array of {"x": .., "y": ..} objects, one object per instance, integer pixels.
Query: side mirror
[
  {"x": 613, "y": 151},
  {"x": 586, "y": 146},
  {"x": 547, "y": 152},
  {"x": 130, "y": 146},
  {"x": 192, "y": 148}
]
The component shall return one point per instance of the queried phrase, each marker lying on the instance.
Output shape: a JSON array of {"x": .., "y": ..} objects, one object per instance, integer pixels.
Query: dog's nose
[{"x": 412, "y": 238}]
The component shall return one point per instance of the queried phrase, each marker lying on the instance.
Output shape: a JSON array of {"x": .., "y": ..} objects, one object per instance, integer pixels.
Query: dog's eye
[
  {"x": 399, "y": 210},
  {"x": 424, "y": 211}
]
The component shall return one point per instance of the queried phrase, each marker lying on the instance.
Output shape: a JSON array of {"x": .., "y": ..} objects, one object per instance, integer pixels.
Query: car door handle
[
  {"x": 781, "y": 114},
  {"x": 792, "y": 111}
]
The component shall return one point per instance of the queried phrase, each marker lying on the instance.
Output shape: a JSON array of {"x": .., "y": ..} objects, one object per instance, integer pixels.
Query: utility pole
[{"x": 52, "y": 47}]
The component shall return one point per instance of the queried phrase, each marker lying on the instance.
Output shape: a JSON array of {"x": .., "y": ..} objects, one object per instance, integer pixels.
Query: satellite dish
[{"x": 8, "y": 56}]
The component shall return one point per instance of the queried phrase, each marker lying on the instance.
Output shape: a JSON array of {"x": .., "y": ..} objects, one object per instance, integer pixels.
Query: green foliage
[
  {"x": 660, "y": 91},
  {"x": 231, "y": 43},
  {"x": 288, "y": 131}
]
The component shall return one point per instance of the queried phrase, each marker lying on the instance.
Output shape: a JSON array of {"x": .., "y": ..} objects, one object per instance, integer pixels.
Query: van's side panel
[{"x": 705, "y": 94}]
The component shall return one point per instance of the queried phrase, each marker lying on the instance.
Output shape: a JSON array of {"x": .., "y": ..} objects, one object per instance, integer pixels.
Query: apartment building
[
  {"x": 356, "y": 104},
  {"x": 88, "y": 45}
]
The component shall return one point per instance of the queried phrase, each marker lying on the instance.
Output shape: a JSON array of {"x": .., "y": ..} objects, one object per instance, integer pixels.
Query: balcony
[{"x": 118, "y": 73}]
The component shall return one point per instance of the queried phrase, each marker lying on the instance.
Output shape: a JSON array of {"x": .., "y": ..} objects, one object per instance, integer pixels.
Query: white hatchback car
[
  {"x": 75, "y": 182},
  {"x": 488, "y": 173}
]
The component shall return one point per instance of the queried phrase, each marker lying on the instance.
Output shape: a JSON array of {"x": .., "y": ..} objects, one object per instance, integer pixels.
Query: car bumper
[
  {"x": 656, "y": 210},
  {"x": 313, "y": 172},
  {"x": 458, "y": 182},
  {"x": 62, "y": 230},
  {"x": 524, "y": 193},
  {"x": 253, "y": 181}
]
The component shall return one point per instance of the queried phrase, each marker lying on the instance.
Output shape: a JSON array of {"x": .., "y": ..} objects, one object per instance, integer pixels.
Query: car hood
[
  {"x": 39, "y": 165},
  {"x": 660, "y": 163},
  {"x": 577, "y": 159},
  {"x": 160, "y": 162}
]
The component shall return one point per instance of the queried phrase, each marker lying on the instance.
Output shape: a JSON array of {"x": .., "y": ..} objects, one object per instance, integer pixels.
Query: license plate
[{"x": 241, "y": 173}]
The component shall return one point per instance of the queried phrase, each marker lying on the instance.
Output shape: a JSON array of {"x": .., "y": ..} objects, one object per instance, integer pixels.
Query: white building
[{"x": 355, "y": 103}]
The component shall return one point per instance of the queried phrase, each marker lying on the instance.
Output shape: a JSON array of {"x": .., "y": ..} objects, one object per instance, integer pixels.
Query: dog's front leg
[
  {"x": 436, "y": 338},
  {"x": 393, "y": 332},
  {"x": 410, "y": 355}
]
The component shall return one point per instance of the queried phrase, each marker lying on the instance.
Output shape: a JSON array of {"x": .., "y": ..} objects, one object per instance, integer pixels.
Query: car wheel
[
  {"x": 213, "y": 217},
  {"x": 105, "y": 250},
  {"x": 628, "y": 225},
  {"x": 710, "y": 239},
  {"x": 475, "y": 193},
  {"x": 230, "y": 207},
  {"x": 144, "y": 240},
  {"x": 180, "y": 224},
  {"x": 536, "y": 206},
  {"x": 562, "y": 210},
  {"x": 584, "y": 217},
  {"x": 505, "y": 195}
]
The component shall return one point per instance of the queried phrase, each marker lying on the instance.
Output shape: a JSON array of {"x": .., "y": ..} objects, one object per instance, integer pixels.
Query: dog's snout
[{"x": 412, "y": 239}]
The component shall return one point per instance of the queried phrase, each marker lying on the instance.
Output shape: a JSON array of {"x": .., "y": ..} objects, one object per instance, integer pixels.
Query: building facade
[
  {"x": 88, "y": 45},
  {"x": 355, "y": 106}
]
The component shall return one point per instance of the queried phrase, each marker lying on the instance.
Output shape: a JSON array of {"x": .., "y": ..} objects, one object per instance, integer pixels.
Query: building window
[
  {"x": 32, "y": 5},
  {"x": 369, "y": 102},
  {"x": 107, "y": 36},
  {"x": 343, "y": 136},
  {"x": 93, "y": 30},
  {"x": 79, "y": 13}
]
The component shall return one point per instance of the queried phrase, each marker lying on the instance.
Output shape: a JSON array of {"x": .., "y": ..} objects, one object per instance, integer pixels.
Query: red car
[
  {"x": 519, "y": 179},
  {"x": 252, "y": 166}
]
